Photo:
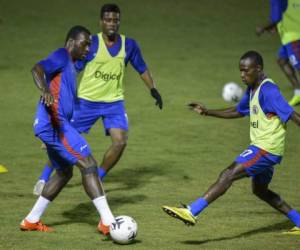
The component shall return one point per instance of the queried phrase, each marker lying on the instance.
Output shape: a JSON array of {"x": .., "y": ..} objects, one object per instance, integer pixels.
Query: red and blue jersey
[
  {"x": 132, "y": 50},
  {"x": 61, "y": 79}
]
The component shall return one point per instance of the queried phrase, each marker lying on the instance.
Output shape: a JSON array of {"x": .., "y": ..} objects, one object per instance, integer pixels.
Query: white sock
[
  {"x": 104, "y": 210},
  {"x": 297, "y": 92},
  {"x": 37, "y": 210}
]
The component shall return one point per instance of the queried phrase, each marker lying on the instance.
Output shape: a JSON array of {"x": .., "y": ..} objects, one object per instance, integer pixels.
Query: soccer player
[
  {"x": 55, "y": 77},
  {"x": 101, "y": 92},
  {"x": 285, "y": 15},
  {"x": 269, "y": 113}
]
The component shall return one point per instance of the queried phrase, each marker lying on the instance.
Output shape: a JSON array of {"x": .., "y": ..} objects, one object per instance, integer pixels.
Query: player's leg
[
  {"x": 114, "y": 152},
  {"x": 94, "y": 189},
  {"x": 260, "y": 188},
  {"x": 188, "y": 213},
  {"x": 44, "y": 177},
  {"x": 115, "y": 123},
  {"x": 288, "y": 60}
]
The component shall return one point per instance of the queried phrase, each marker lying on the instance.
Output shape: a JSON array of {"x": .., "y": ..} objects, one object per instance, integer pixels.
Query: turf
[{"x": 192, "y": 48}]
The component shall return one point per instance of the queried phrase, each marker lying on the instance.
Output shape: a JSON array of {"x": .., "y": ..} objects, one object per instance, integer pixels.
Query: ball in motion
[
  {"x": 124, "y": 230},
  {"x": 232, "y": 92}
]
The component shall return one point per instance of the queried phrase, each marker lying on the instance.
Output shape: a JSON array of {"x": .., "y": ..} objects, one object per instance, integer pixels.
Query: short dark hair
[
  {"x": 75, "y": 30},
  {"x": 255, "y": 56},
  {"x": 109, "y": 7}
]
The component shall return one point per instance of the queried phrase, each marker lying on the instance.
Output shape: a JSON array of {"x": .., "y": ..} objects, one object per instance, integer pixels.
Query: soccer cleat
[
  {"x": 181, "y": 213},
  {"x": 103, "y": 228},
  {"x": 293, "y": 231},
  {"x": 38, "y": 226},
  {"x": 38, "y": 187},
  {"x": 295, "y": 100}
]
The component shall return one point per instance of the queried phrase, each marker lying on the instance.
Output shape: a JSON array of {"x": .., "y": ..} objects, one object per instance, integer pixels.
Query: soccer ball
[
  {"x": 232, "y": 92},
  {"x": 124, "y": 230}
]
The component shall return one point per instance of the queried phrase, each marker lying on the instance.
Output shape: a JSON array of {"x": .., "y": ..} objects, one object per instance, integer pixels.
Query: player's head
[
  {"x": 251, "y": 68},
  {"x": 78, "y": 41},
  {"x": 110, "y": 15}
]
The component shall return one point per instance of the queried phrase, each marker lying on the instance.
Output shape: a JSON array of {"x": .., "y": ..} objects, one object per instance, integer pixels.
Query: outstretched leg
[
  {"x": 114, "y": 152},
  {"x": 187, "y": 214}
]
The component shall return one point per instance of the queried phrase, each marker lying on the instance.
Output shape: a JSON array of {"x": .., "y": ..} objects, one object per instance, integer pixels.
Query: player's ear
[{"x": 259, "y": 68}]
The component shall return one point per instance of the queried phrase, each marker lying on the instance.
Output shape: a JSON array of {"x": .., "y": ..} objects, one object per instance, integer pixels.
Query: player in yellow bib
[
  {"x": 101, "y": 91},
  {"x": 269, "y": 113},
  {"x": 285, "y": 16}
]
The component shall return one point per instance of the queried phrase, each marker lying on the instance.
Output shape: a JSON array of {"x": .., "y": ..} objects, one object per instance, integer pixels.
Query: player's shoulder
[
  {"x": 130, "y": 41},
  {"x": 60, "y": 54},
  {"x": 269, "y": 85}
]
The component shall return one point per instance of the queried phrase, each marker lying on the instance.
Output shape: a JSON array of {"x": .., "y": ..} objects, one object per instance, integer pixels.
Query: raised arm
[
  {"x": 39, "y": 78},
  {"x": 227, "y": 113}
]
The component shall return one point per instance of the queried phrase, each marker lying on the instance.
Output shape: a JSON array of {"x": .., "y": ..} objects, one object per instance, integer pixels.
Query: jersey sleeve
[
  {"x": 80, "y": 64},
  {"x": 273, "y": 102},
  {"x": 243, "y": 106},
  {"x": 277, "y": 9},
  {"x": 134, "y": 56},
  {"x": 55, "y": 62}
]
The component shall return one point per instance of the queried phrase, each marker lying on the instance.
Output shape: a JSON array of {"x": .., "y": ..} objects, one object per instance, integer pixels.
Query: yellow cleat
[
  {"x": 3, "y": 169},
  {"x": 181, "y": 213},
  {"x": 293, "y": 231},
  {"x": 295, "y": 100}
]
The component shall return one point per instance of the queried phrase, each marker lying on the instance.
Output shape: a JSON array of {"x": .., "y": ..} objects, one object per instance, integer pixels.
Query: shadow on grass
[
  {"x": 271, "y": 228},
  {"x": 127, "y": 179}
]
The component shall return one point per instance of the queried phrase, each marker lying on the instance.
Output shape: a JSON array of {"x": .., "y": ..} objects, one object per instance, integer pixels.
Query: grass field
[{"x": 192, "y": 48}]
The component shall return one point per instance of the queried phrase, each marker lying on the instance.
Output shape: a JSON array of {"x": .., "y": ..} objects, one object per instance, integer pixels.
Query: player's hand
[
  {"x": 155, "y": 94},
  {"x": 259, "y": 31},
  {"x": 47, "y": 98},
  {"x": 198, "y": 107}
]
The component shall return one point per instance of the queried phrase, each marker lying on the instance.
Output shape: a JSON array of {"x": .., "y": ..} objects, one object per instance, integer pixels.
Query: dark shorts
[
  {"x": 258, "y": 163},
  {"x": 87, "y": 113},
  {"x": 66, "y": 148},
  {"x": 291, "y": 51}
]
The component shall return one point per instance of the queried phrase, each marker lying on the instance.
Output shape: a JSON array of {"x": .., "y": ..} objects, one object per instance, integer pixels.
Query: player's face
[
  {"x": 250, "y": 71},
  {"x": 82, "y": 46},
  {"x": 110, "y": 23}
]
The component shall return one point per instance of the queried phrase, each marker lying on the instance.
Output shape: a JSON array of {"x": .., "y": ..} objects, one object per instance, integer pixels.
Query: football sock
[
  {"x": 37, "y": 210},
  {"x": 103, "y": 209},
  {"x": 297, "y": 92},
  {"x": 294, "y": 216},
  {"x": 47, "y": 171},
  {"x": 101, "y": 172},
  {"x": 197, "y": 206}
]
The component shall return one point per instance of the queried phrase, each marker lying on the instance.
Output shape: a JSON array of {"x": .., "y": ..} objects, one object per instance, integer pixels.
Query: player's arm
[
  {"x": 295, "y": 117},
  {"x": 135, "y": 57},
  {"x": 277, "y": 8},
  {"x": 39, "y": 78},
  {"x": 226, "y": 113}
]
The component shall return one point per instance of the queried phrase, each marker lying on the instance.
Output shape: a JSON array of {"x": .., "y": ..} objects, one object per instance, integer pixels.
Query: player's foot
[
  {"x": 103, "y": 228},
  {"x": 38, "y": 187},
  {"x": 295, "y": 100},
  {"x": 181, "y": 213},
  {"x": 293, "y": 231},
  {"x": 38, "y": 226}
]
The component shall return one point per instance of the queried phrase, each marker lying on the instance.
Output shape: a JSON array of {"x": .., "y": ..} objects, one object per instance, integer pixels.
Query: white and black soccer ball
[
  {"x": 232, "y": 92},
  {"x": 124, "y": 230}
]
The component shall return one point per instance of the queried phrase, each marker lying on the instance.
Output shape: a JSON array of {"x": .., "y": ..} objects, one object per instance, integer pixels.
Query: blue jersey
[
  {"x": 271, "y": 101},
  {"x": 277, "y": 9},
  {"x": 132, "y": 50},
  {"x": 61, "y": 79}
]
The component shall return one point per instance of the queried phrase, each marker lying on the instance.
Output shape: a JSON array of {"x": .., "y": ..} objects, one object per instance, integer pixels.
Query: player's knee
[
  {"x": 226, "y": 176},
  {"x": 89, "y": 170},
  {"x": 120, "y": 144}
]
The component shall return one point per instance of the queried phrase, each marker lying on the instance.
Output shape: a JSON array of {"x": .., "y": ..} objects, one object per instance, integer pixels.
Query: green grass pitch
[{"x": 192, "y": 48}]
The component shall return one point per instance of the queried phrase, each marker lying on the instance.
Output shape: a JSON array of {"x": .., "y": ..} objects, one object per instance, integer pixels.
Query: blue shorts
[
  {"x": 86, "y": 114},
  {"x": 291, "y": 51},
  {"x": 65, "y": 148},
  {"x": 258, "y": 163}
]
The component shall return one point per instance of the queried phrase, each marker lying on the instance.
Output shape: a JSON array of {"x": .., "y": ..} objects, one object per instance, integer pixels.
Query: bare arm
[
  {"x": 295, "y": 117},
  {"x": 39, "y": 78},
  {"x": 148, "y": 80},
  {"x": 227, "y": 113}
]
